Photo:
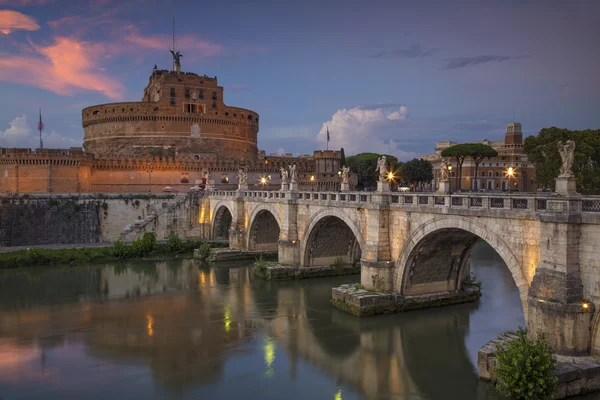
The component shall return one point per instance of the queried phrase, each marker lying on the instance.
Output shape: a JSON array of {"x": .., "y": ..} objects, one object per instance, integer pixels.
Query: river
[{"x": 181, "y": 330}]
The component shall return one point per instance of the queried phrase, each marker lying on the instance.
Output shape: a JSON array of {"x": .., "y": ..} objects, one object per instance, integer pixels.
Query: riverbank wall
[{"x": 48, "y": 219}]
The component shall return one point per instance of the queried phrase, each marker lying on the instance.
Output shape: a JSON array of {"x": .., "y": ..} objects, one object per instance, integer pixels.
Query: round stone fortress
[{"x": 181, "y": 114}]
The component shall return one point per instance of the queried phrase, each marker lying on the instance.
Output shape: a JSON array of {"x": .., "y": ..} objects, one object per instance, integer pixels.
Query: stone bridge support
[
  {"x": 377, "y": 267},
  {"x": 289, "y": 244},
  {"x": 239, "y": 226},
  {"x": 556, "y": 305}
]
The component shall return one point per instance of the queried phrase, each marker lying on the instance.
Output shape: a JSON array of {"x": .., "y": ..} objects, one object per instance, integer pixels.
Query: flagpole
[{"x": 40, "y": 127}]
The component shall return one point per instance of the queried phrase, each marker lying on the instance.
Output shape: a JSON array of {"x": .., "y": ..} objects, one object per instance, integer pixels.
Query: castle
[{"x": 181, "y": 134}]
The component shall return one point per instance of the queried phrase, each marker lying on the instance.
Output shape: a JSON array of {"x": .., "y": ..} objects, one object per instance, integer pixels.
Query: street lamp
[
  {"x": 510, "y": 173},
  {"x": 149, "y": 171},
  {"x": 263, "y": 181},
  {"x": 449, "y": 178}
]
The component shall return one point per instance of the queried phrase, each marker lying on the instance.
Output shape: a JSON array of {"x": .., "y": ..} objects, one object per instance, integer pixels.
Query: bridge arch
[
  {"x": 222, "y": 220},
  {"x": 447, "y": 242},
  {"x": 331, "y": 234},
  {"x": 263, "y": 229}
]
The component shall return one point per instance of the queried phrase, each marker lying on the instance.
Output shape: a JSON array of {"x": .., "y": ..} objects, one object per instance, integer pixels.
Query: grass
[{"x": 38, "y": 256}]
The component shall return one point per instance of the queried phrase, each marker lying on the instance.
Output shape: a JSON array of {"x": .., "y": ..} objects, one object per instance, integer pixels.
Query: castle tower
[{"x": 514, "y": 133}]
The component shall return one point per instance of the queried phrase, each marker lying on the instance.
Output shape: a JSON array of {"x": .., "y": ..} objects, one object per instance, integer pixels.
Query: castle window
[
  {"x": 250, "y": 117},
  {"x": 196, "y": 157},
  {"x": 162, "y": 127},
  {"x": 172, "y": 101},
  {"x": 201, "y": 94},
  {"x": 185, "y": 177},
  {"x": 226, "y": 113},
  {"x": 490, "y": 174},
  {"x": 235, "y": 115},
  {"x": 194, "y": 95},
  {"x": 172, "y": 92},
  {"x": 155, "y": 109},
  {"x": 131, "y": 109},
  {"x": 187, "y": 93},
  {"x": 123, "y": 110},
  {"x": 214, "y": 104},
  {"x": 95, "y": 112},
  {"x": 214, "y": 95}
]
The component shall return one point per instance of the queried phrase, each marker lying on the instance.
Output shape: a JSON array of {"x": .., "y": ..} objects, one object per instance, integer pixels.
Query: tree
[
  {"x": 342, "y": 157},
  {"x": 524, "y": 368},
  {"x": 541, "y": 150},
  {"x": 364, "y": 164},
  {"x": 478, "y": 153},
  {"x": 459, "y": 152},
  {"x": 417, "y": 171}
]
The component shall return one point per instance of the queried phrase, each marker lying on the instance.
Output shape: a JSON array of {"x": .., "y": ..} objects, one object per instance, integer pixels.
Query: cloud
[
  {"x": 24, "y": 3},
  {"x": 163, "y": 42},
  {"x": 461, "y": 62},
  {"x": 360, "y": 130},
  {"x": 12, "y": 20},
  {"x": 413, "y": 51},
  {"x": 62, "y": 67},
  {"x": 20, "y": 134}
]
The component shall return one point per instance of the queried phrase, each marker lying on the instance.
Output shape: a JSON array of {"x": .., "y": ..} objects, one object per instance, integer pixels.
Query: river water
[{"x": 182, "y": 330}]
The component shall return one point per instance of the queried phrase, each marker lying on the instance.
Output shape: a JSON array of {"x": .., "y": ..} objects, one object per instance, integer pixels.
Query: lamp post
[
  {"x": 149, "y": 171},
  {"x": 510, "y": 173},
  {"x": 449, "y": 179}
]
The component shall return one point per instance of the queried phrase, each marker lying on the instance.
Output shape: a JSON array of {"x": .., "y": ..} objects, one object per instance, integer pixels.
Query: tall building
[{"x": 492, "y": 174}]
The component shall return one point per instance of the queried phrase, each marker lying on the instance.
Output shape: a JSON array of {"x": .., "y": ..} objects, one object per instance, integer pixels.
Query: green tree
[
  {"x": 524, "y": 368},
  {"x": 342, "y": 157},
  {"x": 479, "y": 152},
  {"x": 542, "y": 151},
  {"x": 417, "y": 172},
  {"x": 364, "y": 164},
  {"x": 460, "y": 152}
]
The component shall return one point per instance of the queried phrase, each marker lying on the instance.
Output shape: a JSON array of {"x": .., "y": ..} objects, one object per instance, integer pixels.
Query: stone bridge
[{"x": 419, "y": 243}]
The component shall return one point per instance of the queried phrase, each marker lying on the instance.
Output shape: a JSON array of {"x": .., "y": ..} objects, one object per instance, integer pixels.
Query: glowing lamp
[{"x": 312, "y": 178}]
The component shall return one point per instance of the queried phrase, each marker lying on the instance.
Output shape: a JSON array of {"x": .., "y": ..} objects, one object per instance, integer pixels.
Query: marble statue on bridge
[
  {"x": 293, "y": 174},
  {"x": 382, "y": 168},
  {"x": 345, "y": 173},
  {"x": 444, "y": 170},
  {"x": 566, "y": 151},
  {"x": 242, "y": 178},
  {"x": 284, "y": 175}
]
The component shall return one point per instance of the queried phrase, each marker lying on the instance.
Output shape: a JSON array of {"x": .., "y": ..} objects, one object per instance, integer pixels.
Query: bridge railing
[{"x": 523, "y": 201}]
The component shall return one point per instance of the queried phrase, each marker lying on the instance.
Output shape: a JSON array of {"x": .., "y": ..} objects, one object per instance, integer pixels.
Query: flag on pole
[
  {"x": 328, "y": 134},
  {"x": 40, "y": 127},
  {"x": 40, "y": 124}
]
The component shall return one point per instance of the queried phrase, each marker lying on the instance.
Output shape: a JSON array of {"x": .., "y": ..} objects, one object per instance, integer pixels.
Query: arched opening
[
  {"x": 439, "y": 262},
  {"x": 222, "y": 223},
  {"x": 330, "y": 240},
  {"x": 264, "y": 232}
]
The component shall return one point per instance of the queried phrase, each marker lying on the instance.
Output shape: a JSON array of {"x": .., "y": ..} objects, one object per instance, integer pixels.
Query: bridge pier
[{"x": 556, "y": 305}]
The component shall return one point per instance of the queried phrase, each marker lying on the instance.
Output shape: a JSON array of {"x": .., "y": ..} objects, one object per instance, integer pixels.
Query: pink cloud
[
  {"x": 163, "y": 42},
  {"x": 13, "y": 20},
  {"x": 66, "y": 65}
]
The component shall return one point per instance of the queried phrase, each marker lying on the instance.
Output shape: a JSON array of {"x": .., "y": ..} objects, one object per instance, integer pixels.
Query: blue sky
[{"x": 393, "y": 76}]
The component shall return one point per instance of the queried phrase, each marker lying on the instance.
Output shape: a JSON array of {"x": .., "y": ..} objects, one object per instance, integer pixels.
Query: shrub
[
  {"x": 119, "y": 250},
  {"x": 34, "y": 256},
  {"x": 143, "y": 246},
  {"x": 524, "y": 368},
  {"x": 338, "y": 264},
  {"x": 204, "y": 250},
  {"x": 174, "y": 243},
  {"x": 470, "y": 281}
]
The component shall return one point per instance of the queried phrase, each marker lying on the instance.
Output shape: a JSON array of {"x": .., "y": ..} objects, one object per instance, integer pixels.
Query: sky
[{"x": 391, "y": 76}]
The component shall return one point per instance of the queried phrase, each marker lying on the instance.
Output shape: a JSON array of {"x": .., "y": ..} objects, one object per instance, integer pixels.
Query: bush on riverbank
[
  {"x": 119, "y": 251},
  {"x": 524, "y": 368}
]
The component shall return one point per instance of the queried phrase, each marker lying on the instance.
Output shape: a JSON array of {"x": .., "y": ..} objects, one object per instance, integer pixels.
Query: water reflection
[{"x": 177, "y": 329}]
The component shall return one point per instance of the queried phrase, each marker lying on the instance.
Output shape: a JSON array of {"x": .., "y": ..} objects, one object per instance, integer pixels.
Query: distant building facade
[{"x": 492, "y": 174}]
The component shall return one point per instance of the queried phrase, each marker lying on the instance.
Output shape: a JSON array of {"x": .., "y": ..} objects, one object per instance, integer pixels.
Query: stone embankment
[
  {"x": 357, "y": 300},
  {"x": 576, "y": 375}
]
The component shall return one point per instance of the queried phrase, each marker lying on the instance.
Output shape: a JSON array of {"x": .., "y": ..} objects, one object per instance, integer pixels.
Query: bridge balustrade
[{"x": 532, "y": 202}]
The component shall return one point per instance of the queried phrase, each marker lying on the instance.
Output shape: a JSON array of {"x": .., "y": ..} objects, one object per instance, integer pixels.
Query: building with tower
[
  {"x": 493, "y": 172},
  {"x": 179, "y": 135}
]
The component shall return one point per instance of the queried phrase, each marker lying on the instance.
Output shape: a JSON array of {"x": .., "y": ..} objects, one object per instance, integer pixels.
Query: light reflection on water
[{"x": 178, "y": 329}]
